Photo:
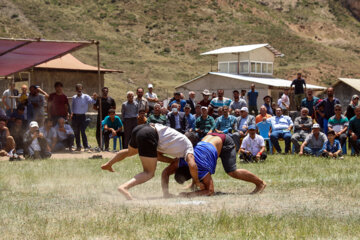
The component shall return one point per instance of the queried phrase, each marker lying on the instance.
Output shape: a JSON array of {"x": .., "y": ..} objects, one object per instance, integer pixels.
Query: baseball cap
[
  {"x": 203, "y": 107},
  {"x": 33, "y": 124},
  {"x": 315, "y": 126},
  {"x": 187, "y": 106},
  {"x": 150, "y": 85},
  {"x": 245, "y": 109},
  {"x": 252, "y": 127},
  {"x": 354, "y": 96}
]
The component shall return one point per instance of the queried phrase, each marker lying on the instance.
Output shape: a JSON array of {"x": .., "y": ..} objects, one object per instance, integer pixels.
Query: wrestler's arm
[
  {"x": 208, "y": 191},
  {"x": 169, "y": 170},
  {"x": 194, "y": 170},
  {"x": 162, "y": 158}
]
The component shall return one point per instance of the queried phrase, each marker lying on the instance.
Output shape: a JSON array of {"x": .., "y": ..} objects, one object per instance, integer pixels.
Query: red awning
[{"x": 20, "y": 54}]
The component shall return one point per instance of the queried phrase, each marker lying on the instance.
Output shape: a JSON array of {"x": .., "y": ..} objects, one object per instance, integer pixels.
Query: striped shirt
[{"x": 216, "y": 103}]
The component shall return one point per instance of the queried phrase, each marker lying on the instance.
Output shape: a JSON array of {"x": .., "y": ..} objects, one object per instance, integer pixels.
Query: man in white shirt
[
  {"x": 152, "y": 98},
  {"x": 280, "y": 128},
  {"x": 284, "y": 102},
  {"x": 8, "y": 99},
  {"x": 65, "y": 135},
  {"x": 253, "y": 147},
  {"x": 149, "y": 141}
]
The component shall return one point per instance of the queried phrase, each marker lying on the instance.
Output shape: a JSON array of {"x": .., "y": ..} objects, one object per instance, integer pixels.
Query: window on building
[
  {"x": 264, "y": 68},
  {"x": 261, "y": 68},
  {"x": 258, "y": 67},
  {"x": 269, "y": 68},
  {"x": 253, "y": 67},
  {"x": 223, "y": 67},
  {"x": 233, "y": 67},
  {"x": 244, "y": 67}
]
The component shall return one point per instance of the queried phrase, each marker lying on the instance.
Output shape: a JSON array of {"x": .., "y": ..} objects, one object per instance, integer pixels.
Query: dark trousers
[
  {"x": 66, "y": 143},
  {"x": 355, "y": 144},
  {"x": 107, "y": 138},
  {"x": 98, "y": 132},
  {"x": 129, "y": 125},
  {"x": 342, "y": 138},
  {"x": 253, "y": 110},
  {"x": 79, "y": 125}
]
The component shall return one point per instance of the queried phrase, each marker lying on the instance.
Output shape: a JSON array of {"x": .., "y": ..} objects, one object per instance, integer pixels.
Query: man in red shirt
[{"x": 58, "y": 104}]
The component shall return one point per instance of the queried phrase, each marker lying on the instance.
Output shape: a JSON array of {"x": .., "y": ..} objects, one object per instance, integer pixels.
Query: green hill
[{"x": 160, "y": 41}]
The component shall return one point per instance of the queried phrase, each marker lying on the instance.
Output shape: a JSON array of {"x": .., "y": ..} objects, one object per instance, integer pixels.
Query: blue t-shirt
[
  {"x": 116, "y": 124},
  {"x": 182, "y": 104},
  {"x": 191, "y": 121},
  {"x": 253, "y": 97},
  {"x": 332, "y": 148},
  {"x": 205, "y": 158}
]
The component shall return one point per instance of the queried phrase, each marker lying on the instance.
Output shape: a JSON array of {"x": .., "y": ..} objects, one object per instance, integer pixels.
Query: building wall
[
  {"x": 233, "y": 57},
  {"x": 212, "y": 83},
  {"x": 344, "y": 93},
  {"x": 262, "y": 55}
]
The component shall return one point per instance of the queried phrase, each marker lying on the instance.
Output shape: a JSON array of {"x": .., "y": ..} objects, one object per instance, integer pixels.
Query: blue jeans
[
  {"x": 274, "y": 138},
  {"x": 313, "y": 151}
]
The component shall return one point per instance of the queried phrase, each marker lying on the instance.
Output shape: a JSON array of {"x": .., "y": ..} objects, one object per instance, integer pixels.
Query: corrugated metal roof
[
  {"x": 352, "y": 82},
  {"x": 274, "y": 82},
  {"x": 243, "y": 48}
]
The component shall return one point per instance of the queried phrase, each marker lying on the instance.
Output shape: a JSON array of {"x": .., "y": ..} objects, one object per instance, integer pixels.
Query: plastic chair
[
  {"x": 115, "y": 141},
  {"x": 264, "y": 129}
]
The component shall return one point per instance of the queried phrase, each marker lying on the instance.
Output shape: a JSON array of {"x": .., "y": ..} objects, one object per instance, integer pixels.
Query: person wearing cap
[
  {"x": 299, "y": 84},
  {"x": 252, "y": 96},
  {"x": 37, "y": 102},
  {"x": 179, "y": 101},
  {"x": 176, "y": 119},
  {"x": 263, "y": 115},
  {"x": 191, "y": 101},
  {"x": 156, "y": 116},
  {"x": 354, "y": 131},
  {"x": 267, "y": 104},
  {"x": 280, "y": 128},
  {"x": 350, "y": 110},
  {"x": 310, "y": 102},
  {"x": 7, "y": 142},
  {"x": 241, "y": 126},
  {"x": 151, "y": 97},
  {"x": 314, "y": 143},
  {"x": 302, "y": 128},
  {"x": 205, "y": 101},
  {"x": 253, "y": 146},
  {"x": 238, "y": 102},
  {"x": 339, "y": 123},
  {"x": 204, "y": 124},
  {"x": 190, "y": 118},
  {"x": 225, "y": 123},
  {"x": 35, "y": 144},
  {"x": 329, "y": 107},
  {"x": 220, "y": 101}
]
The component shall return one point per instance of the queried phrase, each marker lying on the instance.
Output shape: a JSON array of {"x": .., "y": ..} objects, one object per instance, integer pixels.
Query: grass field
[{"x": 306, "y": 198}]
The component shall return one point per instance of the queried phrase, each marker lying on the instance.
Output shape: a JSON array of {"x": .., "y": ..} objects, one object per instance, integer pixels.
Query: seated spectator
[
  {"x": 280, "y": 128},
  {"x": 205, "y": 102},
  {"x": 354, "y": 131},
  {"x": 284, "y": 102},
  {"x": 350, "y": 111},
  {"x": 35, "y": 144},
  {"x": 220, "y": 112},
  {"x": 314, "y": 143},
  {"x": 189, "y": 118},
  {"x": 197, "y": 111},
  {"x": 302, "y": 128},
  {"x": 191, "y": 102},
  {"x": 7, "y": 143},
  {"x": 204, "y": 124},
  {"x": 267, "y": 104},
  {"x": 241, "y": 126},
  {"x": 18, "y": 113},
  {"x": 156, "y": 116},
  {"x": 339, "y": 123},
  {"x": 141, "y": 118},
  {"x": 263, "y": 114},
  {"x": 113, "y": 126},
  {"x": 176, "y": 119},
  {"x": 65, "y": 136},
  {"x": 17, "y": 131},
  {"x": 164, "y": 111},
  {"x": 253, "y": 147},
  {"x": 319, "y": 113},
  {"x": 49, "y": 133},
  {"x": 179, "y": 101},
  {"x": 332, "y": 146},
  {"x": 237, "y": 113},
  {"x": 225, "y": 123}
]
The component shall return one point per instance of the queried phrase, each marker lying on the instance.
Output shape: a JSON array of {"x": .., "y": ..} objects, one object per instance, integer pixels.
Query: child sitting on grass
[{"x": 332, "y": 146}]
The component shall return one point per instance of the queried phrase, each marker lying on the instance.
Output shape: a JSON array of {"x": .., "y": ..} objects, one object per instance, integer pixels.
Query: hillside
[{"x": 160, "y": 41}]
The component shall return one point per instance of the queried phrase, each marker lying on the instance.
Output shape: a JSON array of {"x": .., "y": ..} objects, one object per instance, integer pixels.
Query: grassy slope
[{"x": 160, "y": 41}]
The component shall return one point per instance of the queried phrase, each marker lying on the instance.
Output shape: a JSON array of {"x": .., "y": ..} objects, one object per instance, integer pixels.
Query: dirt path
[{"x": 74, "y": 155}]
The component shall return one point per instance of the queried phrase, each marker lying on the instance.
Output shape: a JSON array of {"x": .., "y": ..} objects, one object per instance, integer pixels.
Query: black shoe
[{"x": 78, "y": 149}]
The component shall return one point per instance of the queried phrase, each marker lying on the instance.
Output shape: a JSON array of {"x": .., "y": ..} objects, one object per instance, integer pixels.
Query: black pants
[
  {"x": 107, "y": 138},
  {"x": 79, "y": 125},
  {"x": 251, "y": 158}
]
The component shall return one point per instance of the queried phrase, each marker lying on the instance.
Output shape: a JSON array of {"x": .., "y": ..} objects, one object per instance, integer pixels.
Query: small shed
[{"x": 344, "y": 88}]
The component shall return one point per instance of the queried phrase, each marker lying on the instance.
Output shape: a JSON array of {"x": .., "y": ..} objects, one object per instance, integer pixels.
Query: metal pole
[{"x": 100, "y": 104}]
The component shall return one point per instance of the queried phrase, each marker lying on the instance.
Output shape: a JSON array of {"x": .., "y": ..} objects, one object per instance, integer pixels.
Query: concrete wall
[
  {"x": 233, "y": 57},
  {"x": 262, "y": 55},
  {"x": 344, "y": 93}
]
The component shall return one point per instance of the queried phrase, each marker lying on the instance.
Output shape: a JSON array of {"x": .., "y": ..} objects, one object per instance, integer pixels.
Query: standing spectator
[
  {"x": 8, "y": 99},
  {"x": 238, "y": 102},
  {"x": 332, "y": 146},
  {"x": 263, "y": 115},
  {"x": 65, "y": 136},
  {"x": 107, "y": 103},
  {"x": 49, "y": 133},
  {"x": 225, "y": 123},
  {"x": 197, "y": 111},
  {"x": 213, "y": 95},
  {"x": 318, "y": 116},
  {"x": 80, "y": 104},
  {"x": 176, "y": 119},
  {"x": 142, "y": 102},
  {"x": 151, "y": 97},
  {"x": 280, "y": 128},
  {"x": 284, "y": 102},
  {"x": 205, "y": 101},
  {"x": 112, "y": 127},
  {"x": 314, "y": 143},
  {"x": 350, "y": 111},
  {"x": 205, "y": 123},
  {"x": 178, "y": 101},
  {"x": 220, "y": 101},
  {"x": 37, "y": 103},
  {"x": 189, "y": 118},
  {"x": 129, "y": 112},
  {"x": 23, "y": 96},
  {"x": 252, "y": 96},
  {"x": 58, "y": 104},
  {"x": 253, "y": 147},
  {"x": 141, "y": 118},
  {"x": 7, "y": 143},
  {"x": 299, "y": 84},
  {"x": 302, "y": 128},
  {"x": 339, "y": 124},
  {"x": 35, "y": 143},
  {"x": 267, "y": 104},
  {"x": 17, "y": 131},
  {"x": 156, "y": 116},
  {"x": 242, "y": 95},
  {"x": 191, "y": 101},
  {"x": 329, "y": 106},
  {"x": 354, "y": 131},
  {"x": 241, "y": 126},
  {"x": 310, "y": 102}
]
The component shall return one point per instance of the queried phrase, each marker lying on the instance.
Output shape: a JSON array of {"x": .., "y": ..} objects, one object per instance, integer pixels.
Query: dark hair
[
  {"x": 79, "y": 85},
  {"x": 194, "y": 139},
  {"x": 331, "y": 132},
  {"x": 182, "y": 174},
  {"x": 3, "y": 118},
  {"x": 104, "y": 88},
  {"x": 48, "y": 120},
  {"x": 111, "y": 110},
  {"x": 21, "y": 107},
  {"x": 58, "y": 84},
  {"x": 236, "y": 91},
  {"x": 141, "y": 110}
]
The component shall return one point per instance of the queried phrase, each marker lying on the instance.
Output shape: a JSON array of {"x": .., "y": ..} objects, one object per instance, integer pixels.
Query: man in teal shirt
[
  {"x": 112, "y": 127},
  {"x": 204, "y": 124}
]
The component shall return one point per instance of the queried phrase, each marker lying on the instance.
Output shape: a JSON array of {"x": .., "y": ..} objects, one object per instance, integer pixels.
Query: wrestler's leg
[
  {"x": 247, "y": 176},
  {"x": 124, "y": 153}
]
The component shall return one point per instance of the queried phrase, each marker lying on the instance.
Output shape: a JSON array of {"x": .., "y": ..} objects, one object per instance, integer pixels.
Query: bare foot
[
  {"x": 126, "y": 193},
  {"x": 259, "y": 188},
  {"x": 107, "y": 167}
]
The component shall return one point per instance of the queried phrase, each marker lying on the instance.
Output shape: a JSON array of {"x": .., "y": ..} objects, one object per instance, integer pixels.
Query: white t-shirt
[
  {"x": 35, "y": 145},
  {"x": 150, "y": 95},
  {"x": 284, "y": 98},
  {"x": 7, "y": 93},
  {"x": 253, "y": 145},
  {"x": 172, "y": 142}
]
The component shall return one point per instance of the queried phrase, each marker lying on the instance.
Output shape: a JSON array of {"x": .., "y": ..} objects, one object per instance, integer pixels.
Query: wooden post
[
  {"x": 238, "y": 64},
  {"x": 99, "y": 79}
]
